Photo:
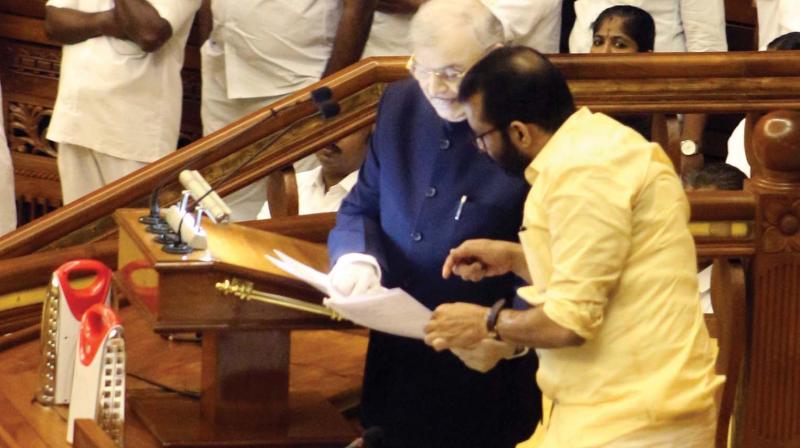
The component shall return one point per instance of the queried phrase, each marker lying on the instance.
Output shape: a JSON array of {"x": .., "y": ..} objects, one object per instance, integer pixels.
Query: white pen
[{"x": 460, "y": 207}]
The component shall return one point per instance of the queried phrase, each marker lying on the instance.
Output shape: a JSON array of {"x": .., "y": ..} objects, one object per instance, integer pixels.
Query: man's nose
[{"x": 436, "y": 86}]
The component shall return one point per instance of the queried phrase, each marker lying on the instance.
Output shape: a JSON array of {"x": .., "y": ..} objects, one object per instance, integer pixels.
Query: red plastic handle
[
  {"x": 80, "y": 299},
  {"x": 97, "y": 321}
]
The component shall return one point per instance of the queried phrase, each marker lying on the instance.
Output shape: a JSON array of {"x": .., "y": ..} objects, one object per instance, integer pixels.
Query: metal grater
[
  {"x": 49, "y": 333},
  {"x": 111, "y": 393},
  {"x": 98, "y": 390},
  {"x": 62, "y": 310}
]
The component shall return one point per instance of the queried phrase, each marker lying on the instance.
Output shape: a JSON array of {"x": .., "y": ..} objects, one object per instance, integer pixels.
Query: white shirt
[
  {"x": 681, "y": 25},
  {"x": 8, "y": 208},
  {"x": 704, "y": 288},
  {"x": 736, "y": 154},
  {"x": 311, "y": 194},
  {"x": 776, "y": 18},
  {"x": 273, "y": 47},
  {"x": 533, "y": 23},
  {"x": 389, "y": 35},
  {"x": 116, "y": 99}
]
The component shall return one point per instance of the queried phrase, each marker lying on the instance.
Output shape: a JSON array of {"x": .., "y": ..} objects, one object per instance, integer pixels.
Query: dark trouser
[{"x": 421, "y": 398}]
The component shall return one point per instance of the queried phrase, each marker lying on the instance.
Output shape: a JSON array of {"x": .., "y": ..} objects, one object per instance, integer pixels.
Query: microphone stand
[
  {"x": 156, "y": 223},
  {"x": 327, "y": 109}
]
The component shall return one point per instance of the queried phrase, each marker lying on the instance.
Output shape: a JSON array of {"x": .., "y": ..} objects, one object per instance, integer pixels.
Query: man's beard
[{"x": 510, "y": 159}]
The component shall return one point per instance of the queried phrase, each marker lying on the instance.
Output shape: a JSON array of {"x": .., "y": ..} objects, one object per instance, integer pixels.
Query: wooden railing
[{"x": 751, "y": 82}]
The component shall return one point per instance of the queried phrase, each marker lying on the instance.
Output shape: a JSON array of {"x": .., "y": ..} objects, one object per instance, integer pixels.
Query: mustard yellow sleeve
[{"x": 588, "y": 210}]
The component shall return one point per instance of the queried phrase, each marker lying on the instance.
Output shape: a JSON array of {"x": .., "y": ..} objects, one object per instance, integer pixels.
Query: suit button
[
  {"x": 431, "y": 192},
  {"x": 416, "y": 236},
  {"x": 444, "y": 143}
]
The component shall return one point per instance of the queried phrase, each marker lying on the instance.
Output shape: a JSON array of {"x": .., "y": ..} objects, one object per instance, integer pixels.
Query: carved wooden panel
[
  {"x": 773, "y": 392},
  {"x": 780, "y": 223},
  {"x": 27, "y": 128},
  {"x": 37, "y": 186},
  {"x": 29, "y": 70},
  {"x": 31, "y": 59}
]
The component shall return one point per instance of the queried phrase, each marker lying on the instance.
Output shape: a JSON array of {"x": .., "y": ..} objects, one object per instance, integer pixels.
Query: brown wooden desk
[
  {"x": 26, "y": 424},
  {"x": 245, "y": 349}
]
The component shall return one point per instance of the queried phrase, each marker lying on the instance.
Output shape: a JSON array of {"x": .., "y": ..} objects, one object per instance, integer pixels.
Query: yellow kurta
[{"x": 611, "y": 257}]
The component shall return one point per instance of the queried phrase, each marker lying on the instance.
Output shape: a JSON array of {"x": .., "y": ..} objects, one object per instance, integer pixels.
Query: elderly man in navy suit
[{"x": 425, "y": 188}]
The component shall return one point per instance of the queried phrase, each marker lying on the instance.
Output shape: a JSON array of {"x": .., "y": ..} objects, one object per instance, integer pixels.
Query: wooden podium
[{"x": 245, "y": 397}]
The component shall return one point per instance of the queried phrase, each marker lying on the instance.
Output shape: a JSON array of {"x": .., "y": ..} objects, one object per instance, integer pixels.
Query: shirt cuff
[{"x": 584, "y": 318}]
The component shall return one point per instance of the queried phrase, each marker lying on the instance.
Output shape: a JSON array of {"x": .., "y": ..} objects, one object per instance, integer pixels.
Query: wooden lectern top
[
  {"x": 230, "y": 246},
  {"x": 179, "y": 290}
]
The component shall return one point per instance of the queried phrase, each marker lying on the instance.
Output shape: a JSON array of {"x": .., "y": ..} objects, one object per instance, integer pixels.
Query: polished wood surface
[
  {"x": 245, "y": 350},
  {"x": 36, "y": 186},
  {"x": 36, "y": 269},
  {"x": 88, "y": 434},
  {"x": 282, "y": 194},
  {"x": 770, "y": 410},
  {"x": 313, "y": 228},
  {"x": 233, "y": 250},
  {"x": 728, "y": 298},
  {"x": 324, "y": 362}
]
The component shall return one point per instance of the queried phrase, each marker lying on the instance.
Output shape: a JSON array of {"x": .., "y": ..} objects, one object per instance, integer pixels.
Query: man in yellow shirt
[{"x": 624, "y": 353}]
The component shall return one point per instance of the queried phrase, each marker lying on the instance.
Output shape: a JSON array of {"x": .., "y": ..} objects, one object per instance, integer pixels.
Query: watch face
[{"x": 688, "y": 148}]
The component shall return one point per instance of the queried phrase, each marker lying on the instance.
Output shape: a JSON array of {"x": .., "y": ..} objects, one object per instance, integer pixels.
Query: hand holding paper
[
  {"x": 355, "y": 274},
  {"x": 391, "y": 311}
]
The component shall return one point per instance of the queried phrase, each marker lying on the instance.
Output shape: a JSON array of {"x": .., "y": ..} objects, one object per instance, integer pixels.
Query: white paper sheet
[{"x": 391, "y": 311}]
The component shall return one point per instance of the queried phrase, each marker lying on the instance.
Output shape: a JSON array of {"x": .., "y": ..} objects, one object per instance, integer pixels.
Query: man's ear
[{"x": 520, "y": 134}]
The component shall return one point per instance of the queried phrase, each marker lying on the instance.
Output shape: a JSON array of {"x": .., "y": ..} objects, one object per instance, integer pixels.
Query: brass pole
[{"x": 243, "y": 289}]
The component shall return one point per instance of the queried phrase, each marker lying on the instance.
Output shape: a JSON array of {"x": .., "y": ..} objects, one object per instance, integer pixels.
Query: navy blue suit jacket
[{"x": 402, "y": 211}]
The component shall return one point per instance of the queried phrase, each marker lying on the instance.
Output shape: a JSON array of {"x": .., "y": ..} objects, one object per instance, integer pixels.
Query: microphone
[
  {"x": 317, "y": 96},
  {"x": 205, "y": 195},
  {"x": 321, "y": 96},
  {"x": 327, "y": 109}
]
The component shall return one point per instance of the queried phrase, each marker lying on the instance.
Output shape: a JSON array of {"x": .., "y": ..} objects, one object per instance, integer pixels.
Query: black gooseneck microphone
[
  {"x": 320, "y": 96},
  {"x": 328, "y": 108}
]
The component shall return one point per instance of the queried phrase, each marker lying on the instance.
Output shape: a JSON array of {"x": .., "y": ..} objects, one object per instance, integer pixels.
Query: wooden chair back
[
  {"x": 282, "y": 193},
  {"x": 728, "y": 293}
]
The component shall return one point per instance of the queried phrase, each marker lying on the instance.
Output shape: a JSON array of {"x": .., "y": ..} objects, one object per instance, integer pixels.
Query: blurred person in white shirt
[
  {"x": 119, "y": 92},
  {"x": 323, "y": 188},
  {"x": 259, "y": 51},
  {"x": 532, "y": 23},
  {"x": 736, "y": 152},
  {"x": 776, "y": 18},
  {"x": 8, "y": 207}
]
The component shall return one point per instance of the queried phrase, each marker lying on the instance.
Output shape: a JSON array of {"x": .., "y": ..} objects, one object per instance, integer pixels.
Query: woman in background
[{"x": 626, "y": 29}]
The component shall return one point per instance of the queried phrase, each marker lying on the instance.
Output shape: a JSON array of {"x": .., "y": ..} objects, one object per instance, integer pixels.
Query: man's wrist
[
  {"x": 491, "y": 319},
  {"x": 107, "y": 24}
]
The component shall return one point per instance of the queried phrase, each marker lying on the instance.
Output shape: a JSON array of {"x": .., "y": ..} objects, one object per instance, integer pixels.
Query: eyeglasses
[
  {"x": 447, "y": 75},
  {"x": 478, "y": 139}
]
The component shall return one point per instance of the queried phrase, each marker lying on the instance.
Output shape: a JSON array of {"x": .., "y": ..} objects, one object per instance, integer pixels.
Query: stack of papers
[{"x": 391, "y": 311}]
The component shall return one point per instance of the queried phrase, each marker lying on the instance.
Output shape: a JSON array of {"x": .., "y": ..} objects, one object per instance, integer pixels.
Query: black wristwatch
[{"x": 491, "y": 318}]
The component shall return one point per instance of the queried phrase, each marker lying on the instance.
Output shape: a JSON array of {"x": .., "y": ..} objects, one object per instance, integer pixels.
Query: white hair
[{"x": 448, "y": 19}]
